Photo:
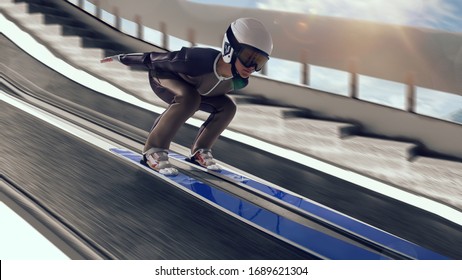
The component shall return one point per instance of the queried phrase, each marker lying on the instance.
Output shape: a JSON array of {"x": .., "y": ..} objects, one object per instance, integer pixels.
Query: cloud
[{"x": 422, "y": 13}]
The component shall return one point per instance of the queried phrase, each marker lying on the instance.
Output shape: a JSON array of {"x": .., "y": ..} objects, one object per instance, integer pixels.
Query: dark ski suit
[{"x": 187, "y": 80}]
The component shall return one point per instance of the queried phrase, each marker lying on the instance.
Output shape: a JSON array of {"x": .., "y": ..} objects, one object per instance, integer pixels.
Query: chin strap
[
  {"x": 234, "y": 71},
  {"x": 238, "y": 81},
  {"x": 233, "y": 68}
]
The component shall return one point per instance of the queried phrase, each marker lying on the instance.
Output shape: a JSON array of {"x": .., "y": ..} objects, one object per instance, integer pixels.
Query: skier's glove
[{"x": 111, "y": 58}]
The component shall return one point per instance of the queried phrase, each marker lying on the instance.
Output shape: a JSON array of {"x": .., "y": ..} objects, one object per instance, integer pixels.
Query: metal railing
[{"x": 404, "y": 96}]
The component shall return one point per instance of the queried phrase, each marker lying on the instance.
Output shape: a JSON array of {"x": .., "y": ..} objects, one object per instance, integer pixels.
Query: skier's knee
[
  {"x": 189, "y": 102},
  {"x": 229, "y": 109}
]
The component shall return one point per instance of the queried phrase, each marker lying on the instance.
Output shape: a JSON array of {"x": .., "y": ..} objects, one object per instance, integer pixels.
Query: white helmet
[{"x": 248, "y": 40}]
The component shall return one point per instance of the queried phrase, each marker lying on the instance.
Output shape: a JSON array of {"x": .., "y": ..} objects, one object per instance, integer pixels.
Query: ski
[
  {"x": 319, "y": 212},
  {"x": 313, "y": 241}
]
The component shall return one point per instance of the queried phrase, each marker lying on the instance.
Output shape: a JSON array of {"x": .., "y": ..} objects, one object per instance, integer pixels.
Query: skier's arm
[
  {"x": 191, "y": 62},
  {"x": 127, "y": 59}
]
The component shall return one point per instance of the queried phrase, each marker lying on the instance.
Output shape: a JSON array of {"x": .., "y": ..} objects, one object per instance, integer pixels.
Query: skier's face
[
  {"x": 250, "y": 56},
  {"x": 243, "y": 71}
]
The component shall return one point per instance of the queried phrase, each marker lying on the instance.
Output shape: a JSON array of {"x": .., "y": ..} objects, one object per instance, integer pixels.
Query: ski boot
[
  {"x": 157, "y": 159},
  {"x": 204, "y": 158}
]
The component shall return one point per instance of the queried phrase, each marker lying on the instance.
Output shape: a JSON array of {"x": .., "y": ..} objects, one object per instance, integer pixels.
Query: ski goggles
[{"x": 250, "y": 56}]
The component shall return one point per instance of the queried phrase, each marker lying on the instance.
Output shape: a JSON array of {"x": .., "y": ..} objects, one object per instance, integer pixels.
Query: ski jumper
[{"x": 187, "y": 80}]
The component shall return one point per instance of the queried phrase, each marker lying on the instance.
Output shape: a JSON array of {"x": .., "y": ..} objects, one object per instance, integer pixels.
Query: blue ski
[
  {"x": 333, "y": 217},
  {"x": 301, "y": 236}
]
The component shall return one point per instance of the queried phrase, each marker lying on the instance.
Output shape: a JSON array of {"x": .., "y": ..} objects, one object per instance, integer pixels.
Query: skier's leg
[
  {"x": 222, "y": 110},
  {"x": 184, "y": 101}
]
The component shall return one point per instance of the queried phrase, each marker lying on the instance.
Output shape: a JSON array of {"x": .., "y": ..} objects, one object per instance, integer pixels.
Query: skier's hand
[{"x": 110, "y": 58}]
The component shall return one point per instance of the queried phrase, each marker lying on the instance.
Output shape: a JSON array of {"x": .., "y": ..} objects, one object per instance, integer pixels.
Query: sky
[{"x": 435, "y": 14}]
